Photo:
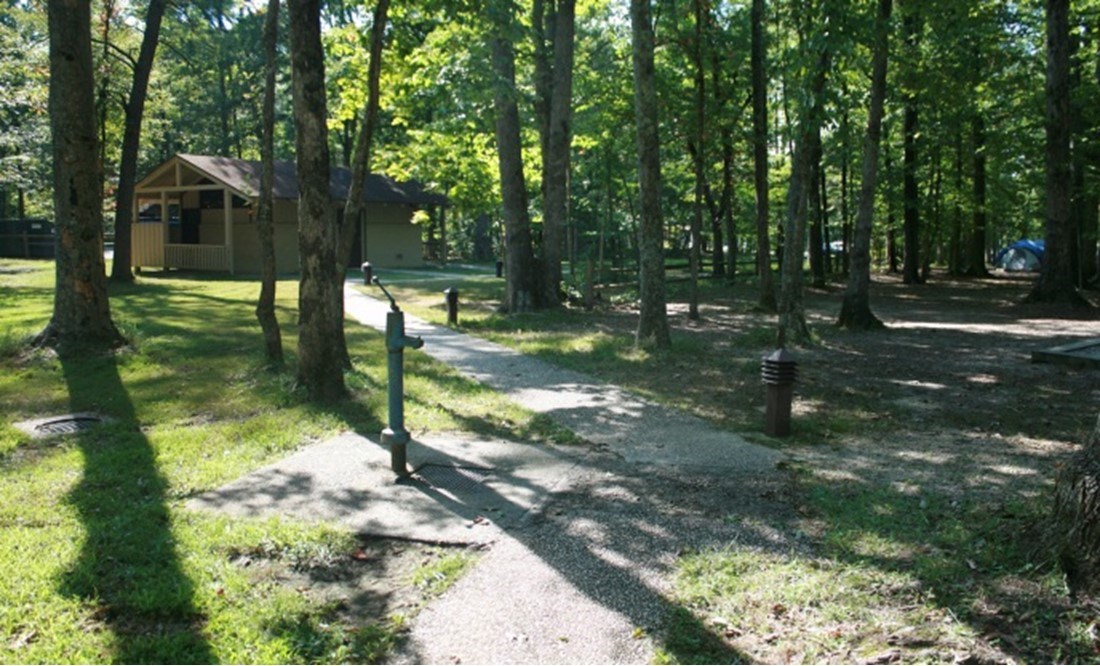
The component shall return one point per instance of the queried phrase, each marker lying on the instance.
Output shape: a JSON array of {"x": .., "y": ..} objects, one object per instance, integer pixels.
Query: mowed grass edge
[{"x": 101, "y": 561}]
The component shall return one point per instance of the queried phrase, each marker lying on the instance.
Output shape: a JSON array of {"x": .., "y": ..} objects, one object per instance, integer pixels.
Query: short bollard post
[
  {"x": 500, "y": 268},
  {"x": 394, "y": 435},
  {"x": 451, "y": 295},
  {"x": 368, "y": 272},
  {"x": 779, "y": 371}
]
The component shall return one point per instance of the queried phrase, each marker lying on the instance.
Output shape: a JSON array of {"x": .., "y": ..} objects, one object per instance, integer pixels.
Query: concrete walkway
[
  {"x": 637, "y": 429},
  {"x": 584, "y": 539}
]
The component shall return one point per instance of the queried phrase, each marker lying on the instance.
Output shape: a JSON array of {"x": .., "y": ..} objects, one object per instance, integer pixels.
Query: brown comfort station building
[{"x": 197, "y": 212}]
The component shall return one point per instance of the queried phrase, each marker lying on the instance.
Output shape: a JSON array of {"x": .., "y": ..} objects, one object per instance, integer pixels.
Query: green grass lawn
[{"x": 101, "y": 562}]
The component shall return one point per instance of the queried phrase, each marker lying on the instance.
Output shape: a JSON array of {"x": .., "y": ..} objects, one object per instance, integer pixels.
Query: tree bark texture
[
  {"x": 559, "y": 136},
  {"x": 726, "y": 209},
  {"x": 81, "y": 311},
  {"x": 320, "y": 365},
  {"x": 815, "y": 212},
  {"x": 1076, "y": 521},
  {"x": 360, "y": 166},
  {"x": 521, "y": 293},
  {"x": 1056, "y": 283},
  {"x": 653, "y": 328},
  {"x": 792, "y": 314},
  {"x": 265, "y": 226},
  {"x": 910, "y": 187},
  {"x": 855, "y": 310},
  {"x": 976, "y": 252},
  {"x": 131, "y": 141},
  {"x": 955, "y": 258},
  {"x": 361, "y": 159},
  {"x": 698, "y": 160},
  {"x": 760, "y": 157}
]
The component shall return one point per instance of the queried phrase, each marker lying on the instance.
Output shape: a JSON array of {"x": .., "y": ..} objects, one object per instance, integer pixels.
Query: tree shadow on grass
[{"x": 128, "y": 566}]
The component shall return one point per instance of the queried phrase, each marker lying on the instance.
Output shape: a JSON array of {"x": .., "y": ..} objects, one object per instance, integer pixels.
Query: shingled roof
[{"x": 244, "y": 177}]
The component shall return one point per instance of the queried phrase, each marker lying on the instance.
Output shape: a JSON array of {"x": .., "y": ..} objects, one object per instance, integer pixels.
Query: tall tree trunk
[
  {"x": 932, "y": 245},
  {"x": 353, "y": 206},
  {"x": 721, "y": 218},
  {"x": 976, "y": 252},
  {"x": 557, "y": 148},
  {"x": 792, "y": 315},
  {"x": 81, "y": 310},
  {"x": 102, "y": 94},
  {"x": 653, "y": 319},
  {"x": 845, "y": 218},
  {"x": 320, "y": 365},
  {"x": 817, "y": 221},
  {"x": 891, "y": 220},
  {"x": 825, "y": 233},
  {"x": 955, "y": 259},
  {"x": 855, "y": 310},
  {"x": 910, "y": 187},
  {"x": 726, "y": 208},
  {"x": 522, "y": 294},
  {"x": 265, "y": 226},
  {"x": 698, "y": 158},
  {"x": 760, "y": 157},
  {"x": 1056, "y": 282},
  {"x": 131, "y": 140}
]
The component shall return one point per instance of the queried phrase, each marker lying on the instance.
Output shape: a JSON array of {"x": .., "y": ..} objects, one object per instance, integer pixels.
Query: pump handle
[{"x": 393, "y": 303}]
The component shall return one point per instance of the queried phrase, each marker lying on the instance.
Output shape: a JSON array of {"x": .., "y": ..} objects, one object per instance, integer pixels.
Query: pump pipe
[{"x": 394, "y": 435}]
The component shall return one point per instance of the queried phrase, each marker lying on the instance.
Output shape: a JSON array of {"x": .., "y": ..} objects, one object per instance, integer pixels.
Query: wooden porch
[{"x": 153, "y": 244}]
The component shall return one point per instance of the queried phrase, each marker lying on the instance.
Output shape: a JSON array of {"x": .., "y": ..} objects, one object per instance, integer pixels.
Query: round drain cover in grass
[
  {"x": 68, "y": 425},
  {"x": 63, "y": 424}
]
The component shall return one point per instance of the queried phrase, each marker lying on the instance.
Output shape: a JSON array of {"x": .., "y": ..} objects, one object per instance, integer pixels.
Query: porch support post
[
  {"x": 134, "y": 214},
  {"x": 227, "y": 199},
  {"x": 165, "y": 237}
]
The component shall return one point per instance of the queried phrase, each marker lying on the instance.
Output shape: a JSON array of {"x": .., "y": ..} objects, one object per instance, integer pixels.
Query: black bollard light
[
  {"x": 500, "y": 269},
  {"x": 451, "y": 296},
  {"x": 778, "y": 371},
  {"x": 368, "y": 272}
]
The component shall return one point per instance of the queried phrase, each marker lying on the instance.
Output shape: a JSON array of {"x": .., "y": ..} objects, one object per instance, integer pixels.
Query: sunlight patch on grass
[{"x": 110, "y": 566}]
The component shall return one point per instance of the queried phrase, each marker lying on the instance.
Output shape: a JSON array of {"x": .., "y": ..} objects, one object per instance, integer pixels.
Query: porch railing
[{"x": 196, "y": 257}]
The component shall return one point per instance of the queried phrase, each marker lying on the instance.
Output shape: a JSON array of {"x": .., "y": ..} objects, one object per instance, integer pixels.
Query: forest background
[{"x": 962, "y": 155}]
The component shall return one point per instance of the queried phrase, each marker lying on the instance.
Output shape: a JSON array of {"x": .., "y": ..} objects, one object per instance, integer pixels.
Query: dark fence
[{"x": 27, "y": 239}]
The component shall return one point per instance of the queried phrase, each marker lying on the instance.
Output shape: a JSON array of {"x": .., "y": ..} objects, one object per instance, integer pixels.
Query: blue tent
[{"x": 1023, "y": 255}]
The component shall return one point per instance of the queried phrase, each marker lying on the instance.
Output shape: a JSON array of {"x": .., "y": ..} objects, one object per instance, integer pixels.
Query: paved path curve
[
  {"x": 584, "y": 579},
  {"x": 582, "y": 541},
  {"x": 637, "y": 429}
]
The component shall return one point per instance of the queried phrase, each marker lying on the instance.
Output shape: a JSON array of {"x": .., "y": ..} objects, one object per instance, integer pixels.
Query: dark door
[
  {"x": 356, "y": 258},
  {"x": 189, "y": 226}
]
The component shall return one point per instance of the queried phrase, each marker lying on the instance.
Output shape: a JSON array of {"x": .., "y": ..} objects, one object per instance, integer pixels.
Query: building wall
[
  {"x": 246, "y": 241},
  {"x": 390, "y": 239}
]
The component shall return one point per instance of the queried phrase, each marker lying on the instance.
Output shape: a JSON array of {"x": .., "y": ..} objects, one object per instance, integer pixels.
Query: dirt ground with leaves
[
  {"x": 922, "y": 461},
  {"x": 940, "y": 423},
  {"x": 923, "y": 456}
]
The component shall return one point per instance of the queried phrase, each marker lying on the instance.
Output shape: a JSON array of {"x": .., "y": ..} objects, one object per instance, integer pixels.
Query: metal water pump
[{"x": 394, "y": 435}]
